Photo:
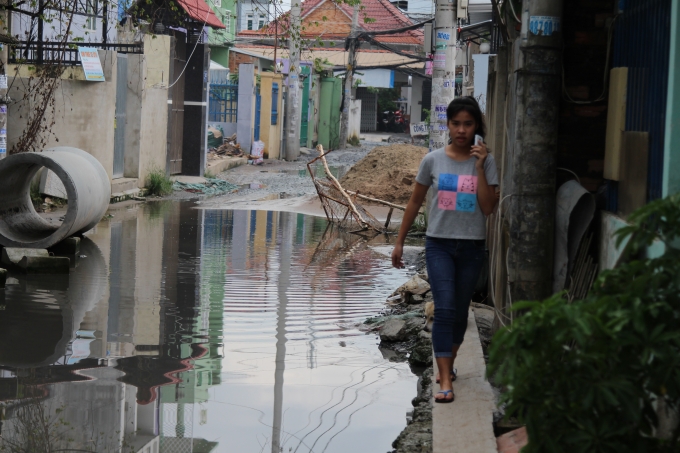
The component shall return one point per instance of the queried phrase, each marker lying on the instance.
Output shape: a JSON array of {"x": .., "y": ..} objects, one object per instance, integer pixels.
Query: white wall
[
  {"x": 22, "y": 25},
  {"x": 481, "y": 76}
]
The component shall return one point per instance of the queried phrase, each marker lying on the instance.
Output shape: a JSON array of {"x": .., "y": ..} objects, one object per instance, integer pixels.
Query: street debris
[
  {"x": 229, "y": 147},
  {"x": 386, "y": 173},
  {"x": 210, "y": 187},
  {"x": 339, "y": 206}
]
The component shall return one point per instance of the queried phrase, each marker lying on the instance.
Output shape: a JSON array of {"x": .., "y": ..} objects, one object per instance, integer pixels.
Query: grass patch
[
  {"x": 354, "y": 140},
  {"x": 420, "y": 223},
  {"x": 158, "y": 182}
]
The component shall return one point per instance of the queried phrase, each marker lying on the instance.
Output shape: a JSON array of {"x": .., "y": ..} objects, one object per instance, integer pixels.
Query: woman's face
[{"x": 462, "y": 128}]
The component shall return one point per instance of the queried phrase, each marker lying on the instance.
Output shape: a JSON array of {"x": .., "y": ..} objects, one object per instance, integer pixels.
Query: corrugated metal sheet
[{"x": 642, "y": 43}]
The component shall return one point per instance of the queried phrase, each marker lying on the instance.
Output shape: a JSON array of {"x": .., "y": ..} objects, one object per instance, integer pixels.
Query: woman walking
[{"x": 463, "y": 177}]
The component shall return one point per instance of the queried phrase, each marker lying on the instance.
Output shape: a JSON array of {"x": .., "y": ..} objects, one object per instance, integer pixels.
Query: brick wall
[
  {"x": 336, "y": 23},
  {"x": 582, "y": 126},
  {"x": 236, "y": 58}
]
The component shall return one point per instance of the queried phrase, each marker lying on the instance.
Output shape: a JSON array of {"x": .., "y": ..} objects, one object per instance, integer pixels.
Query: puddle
[{"x": 201, "y": 330}]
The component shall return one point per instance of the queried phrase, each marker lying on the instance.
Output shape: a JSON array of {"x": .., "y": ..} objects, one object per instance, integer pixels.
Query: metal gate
[
  {"x": 642, "y": 44},
  {"x": 119, "y": 121},
  {"x": 176, "y": 131},
  {"x": 369, "y": 109}
]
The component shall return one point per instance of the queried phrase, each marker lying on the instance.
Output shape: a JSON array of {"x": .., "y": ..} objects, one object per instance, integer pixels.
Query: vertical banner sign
[{"x": 89, "y": 58}]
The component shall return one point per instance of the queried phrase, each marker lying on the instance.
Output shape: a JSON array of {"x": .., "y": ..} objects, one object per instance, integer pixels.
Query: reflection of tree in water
[{"x": 34, "y": 426}]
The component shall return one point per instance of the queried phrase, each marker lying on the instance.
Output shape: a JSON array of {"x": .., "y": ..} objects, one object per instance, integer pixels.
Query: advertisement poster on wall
[{"x": 89, "y": 58}]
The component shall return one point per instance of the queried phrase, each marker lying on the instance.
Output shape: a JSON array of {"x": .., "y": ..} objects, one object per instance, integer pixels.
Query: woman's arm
[
  {"x": 412, "y": 208},
  {"x": 486, "y": 194}
]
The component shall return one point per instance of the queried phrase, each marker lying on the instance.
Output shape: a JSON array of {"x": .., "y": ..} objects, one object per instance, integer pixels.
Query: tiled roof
[{"x": 381, "y": 15}]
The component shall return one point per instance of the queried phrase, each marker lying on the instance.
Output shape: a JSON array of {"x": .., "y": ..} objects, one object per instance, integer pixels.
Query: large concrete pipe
[{"x": 87, "y": 188}]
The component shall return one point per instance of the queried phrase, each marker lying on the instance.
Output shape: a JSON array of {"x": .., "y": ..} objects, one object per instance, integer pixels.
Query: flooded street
[{"x": 202, "y": 330}]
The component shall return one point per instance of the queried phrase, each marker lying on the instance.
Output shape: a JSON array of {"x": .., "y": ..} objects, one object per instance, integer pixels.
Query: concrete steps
[{"x": 466, "y": 425}]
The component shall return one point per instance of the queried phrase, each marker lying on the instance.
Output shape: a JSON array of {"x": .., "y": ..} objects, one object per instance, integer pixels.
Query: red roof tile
[
  {"x": 381, "y": 15},
  {"x": 199, "y": 10}
]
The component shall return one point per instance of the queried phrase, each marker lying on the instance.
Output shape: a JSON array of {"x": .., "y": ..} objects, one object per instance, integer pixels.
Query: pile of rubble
[{"x": 229, "y": 147}]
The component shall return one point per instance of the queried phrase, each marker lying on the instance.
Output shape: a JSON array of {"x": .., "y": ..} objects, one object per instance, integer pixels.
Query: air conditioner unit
[{"x": 462, "y": 9}]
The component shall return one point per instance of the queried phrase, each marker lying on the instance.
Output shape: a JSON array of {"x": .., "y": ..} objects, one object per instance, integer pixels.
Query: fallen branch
[
  {"x": 376, "y": 200},
  {"x": 330, "y": 176}
]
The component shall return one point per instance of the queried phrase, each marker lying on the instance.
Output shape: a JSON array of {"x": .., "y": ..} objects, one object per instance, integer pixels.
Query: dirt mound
[{"x": 387, "y": 173}]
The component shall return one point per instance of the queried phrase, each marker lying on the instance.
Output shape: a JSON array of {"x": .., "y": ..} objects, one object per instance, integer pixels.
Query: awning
[{"x": 199, "y": 10}]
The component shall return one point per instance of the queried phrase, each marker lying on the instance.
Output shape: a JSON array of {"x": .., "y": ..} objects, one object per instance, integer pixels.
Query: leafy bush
[
  {"x": 158, "y": 182},
  {"x": 593, "y": 375}
]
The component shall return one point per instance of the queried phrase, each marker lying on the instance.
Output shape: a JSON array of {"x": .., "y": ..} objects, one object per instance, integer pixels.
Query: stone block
[
  {"x": 393, "y": 330},
  {"x": 69, "y": 246},
  {"x": 11, "y": 256},
  {"x": 513, "y": 441},
  {"x": 51, "y": 185},
  {"x": 45, "y": 265}
]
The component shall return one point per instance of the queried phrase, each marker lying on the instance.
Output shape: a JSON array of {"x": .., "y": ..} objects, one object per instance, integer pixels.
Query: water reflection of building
[{"x": 98, "y": 348}]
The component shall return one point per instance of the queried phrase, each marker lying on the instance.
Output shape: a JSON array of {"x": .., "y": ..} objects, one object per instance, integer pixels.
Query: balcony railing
[{"x": 54, "y": 53}]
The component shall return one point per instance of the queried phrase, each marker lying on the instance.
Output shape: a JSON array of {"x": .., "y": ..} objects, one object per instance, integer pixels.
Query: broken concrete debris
[
  {"x": 393, "y": 330},
  {"x": 69, "y": 246},
  {"x": 45, "y": 265},
  {"x": 34, "y": 261},
  {"x": 12, "y": 255}
]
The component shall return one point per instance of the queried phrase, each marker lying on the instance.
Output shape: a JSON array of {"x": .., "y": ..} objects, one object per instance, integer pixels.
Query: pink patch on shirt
[
  {"x": 446, "y": 200},
  {"x": 467, "y": 184}
]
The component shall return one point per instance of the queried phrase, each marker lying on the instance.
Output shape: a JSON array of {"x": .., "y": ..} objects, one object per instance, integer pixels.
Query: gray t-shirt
[{"x": 452, "y": 208}]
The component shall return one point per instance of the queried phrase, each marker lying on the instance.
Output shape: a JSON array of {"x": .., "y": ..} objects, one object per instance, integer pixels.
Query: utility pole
[
  {"x": 292, "y": 135},
  {"x": 443, "y": 71},
  {"x": 533, "y": 150},
  {"x": 349, "y": 79}
]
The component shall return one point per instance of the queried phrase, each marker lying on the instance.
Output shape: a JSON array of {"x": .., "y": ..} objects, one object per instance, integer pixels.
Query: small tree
[{"x": 595, "y": 374}]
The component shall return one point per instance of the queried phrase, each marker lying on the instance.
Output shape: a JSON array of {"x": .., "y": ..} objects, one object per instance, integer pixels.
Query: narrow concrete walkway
[{"x": 466, "y": 425}]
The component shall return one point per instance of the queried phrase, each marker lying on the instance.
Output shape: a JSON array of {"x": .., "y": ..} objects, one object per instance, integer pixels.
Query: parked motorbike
[{"x": 393, "y": 121}]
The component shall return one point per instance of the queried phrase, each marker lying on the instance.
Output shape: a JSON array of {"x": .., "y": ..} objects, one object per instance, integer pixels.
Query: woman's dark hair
[{"x": 470, "y": 105}]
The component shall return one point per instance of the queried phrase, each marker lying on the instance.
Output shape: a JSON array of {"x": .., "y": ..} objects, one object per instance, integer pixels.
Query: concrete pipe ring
[{"x": 88, "y": 192}]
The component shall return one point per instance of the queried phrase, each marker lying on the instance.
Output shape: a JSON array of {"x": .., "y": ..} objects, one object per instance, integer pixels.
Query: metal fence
[
  {"x": 642, "y": 44},
  {"x": 31, "y": 52},
  {"x": 223, "y": 103}
]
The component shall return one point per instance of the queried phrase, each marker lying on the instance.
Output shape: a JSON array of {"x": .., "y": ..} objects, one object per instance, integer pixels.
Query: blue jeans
[{"x": 453, "y": 267}]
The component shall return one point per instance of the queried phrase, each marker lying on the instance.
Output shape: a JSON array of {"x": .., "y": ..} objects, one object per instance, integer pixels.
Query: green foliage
[
  {"x": 386, "y": 98},
  {"x": 354, "y": 140},
  {"x": 420, "y": 223},
  {"x": 588, "y": 376},
  {"x": 158, "y": 182}
]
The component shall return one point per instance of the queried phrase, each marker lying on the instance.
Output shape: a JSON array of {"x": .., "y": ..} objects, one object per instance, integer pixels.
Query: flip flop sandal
[
  {"x": 454, "y": 375},
  {"x": 445, "y": 393}
]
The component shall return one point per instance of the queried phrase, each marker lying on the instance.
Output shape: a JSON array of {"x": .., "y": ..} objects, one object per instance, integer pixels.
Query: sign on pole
[
  {"x": 89, "y": 58},
  {"x": 418, "y": 129}
]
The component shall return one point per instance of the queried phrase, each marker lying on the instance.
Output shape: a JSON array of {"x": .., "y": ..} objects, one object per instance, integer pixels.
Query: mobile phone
[{"x": 478, "y": 140}]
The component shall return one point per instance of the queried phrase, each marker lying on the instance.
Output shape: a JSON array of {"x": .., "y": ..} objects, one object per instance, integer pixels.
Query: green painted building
[{"x": 221, "y": 40}]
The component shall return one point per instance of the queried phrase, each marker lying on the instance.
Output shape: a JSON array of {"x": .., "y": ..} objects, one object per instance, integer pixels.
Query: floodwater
[{"x": 195, "y": 330}]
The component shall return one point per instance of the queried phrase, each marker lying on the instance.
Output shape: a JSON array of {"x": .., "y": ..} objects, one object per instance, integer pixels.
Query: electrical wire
[
  {"x": 512, "y": 7},
  {"x": 567, "y": 170},
  {"x": 494, "y": 259},
  {"x": 207, "y": 13},
  {"x": 605, "y": 76}
]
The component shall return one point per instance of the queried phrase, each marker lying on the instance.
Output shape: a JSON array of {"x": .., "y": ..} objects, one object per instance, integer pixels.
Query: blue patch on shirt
[
  {"x": 448, "y": 182},
  {"x": 466, "y": 202}
]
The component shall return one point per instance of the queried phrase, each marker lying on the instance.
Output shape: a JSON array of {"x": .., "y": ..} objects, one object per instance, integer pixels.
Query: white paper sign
[
  {"x": 418, "y": 129},
  {"x": 89, "y": 58}
]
